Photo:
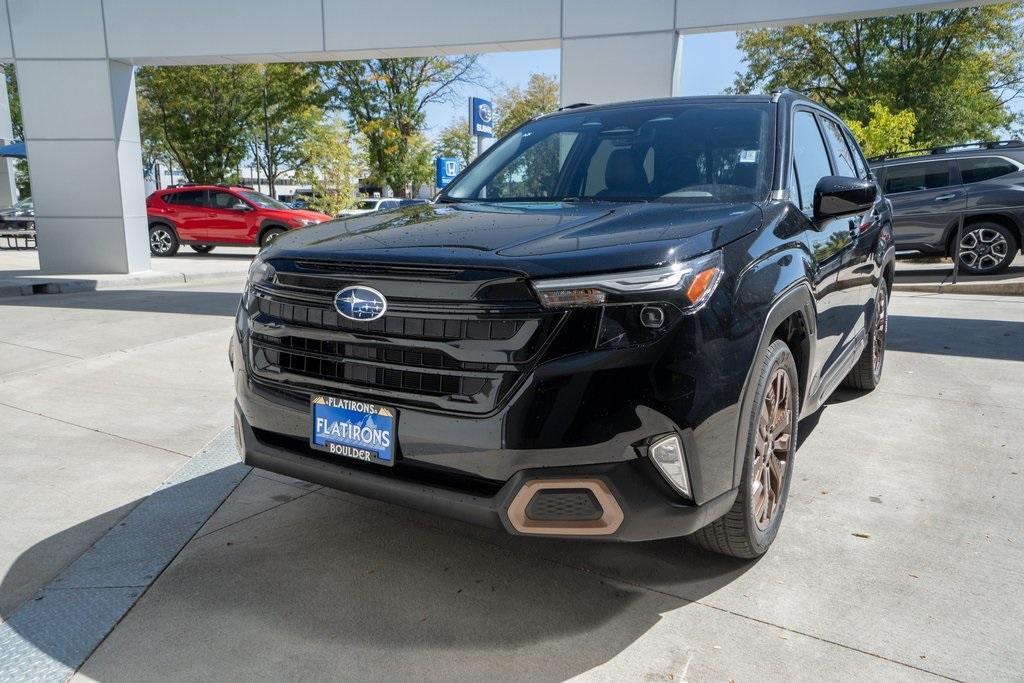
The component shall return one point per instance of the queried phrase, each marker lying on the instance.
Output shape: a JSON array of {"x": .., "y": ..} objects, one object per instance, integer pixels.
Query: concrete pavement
[{"x": 897, "y": 558}]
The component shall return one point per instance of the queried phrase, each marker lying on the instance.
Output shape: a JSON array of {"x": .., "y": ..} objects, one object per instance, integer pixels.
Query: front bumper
[{"x": 641, "y": 506}]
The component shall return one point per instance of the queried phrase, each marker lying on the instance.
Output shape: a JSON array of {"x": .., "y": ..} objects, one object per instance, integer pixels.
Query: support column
[
  {"x": 85, "y": 161},
  {"x": 8, "y": 188}
]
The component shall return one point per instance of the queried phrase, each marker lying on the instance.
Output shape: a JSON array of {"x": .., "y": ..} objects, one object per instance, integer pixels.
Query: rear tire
[
  {"x": 201, "y": 248},
  {"x": 986, "y": 248},
  {"x": 750, "y": 526},
  {"x": 270, "y": 235},
  {"x": 867, "y": 373},
  {"x": 163, "y": 240}
]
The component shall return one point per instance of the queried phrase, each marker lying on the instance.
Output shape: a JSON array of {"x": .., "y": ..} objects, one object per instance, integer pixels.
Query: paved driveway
[{"x": 899, "y": 558}]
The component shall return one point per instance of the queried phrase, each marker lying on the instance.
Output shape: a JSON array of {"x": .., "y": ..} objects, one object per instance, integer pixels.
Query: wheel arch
[
  {"x": 266, "y": 226},
  {"x": 791, "y": 318}
]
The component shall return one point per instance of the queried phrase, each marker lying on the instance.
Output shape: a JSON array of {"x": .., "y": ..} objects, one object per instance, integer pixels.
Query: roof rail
[
  {"x": 945, "y": 149},
  {"x": 577, "y": 105},
  {"x": 777, "y": 94}
]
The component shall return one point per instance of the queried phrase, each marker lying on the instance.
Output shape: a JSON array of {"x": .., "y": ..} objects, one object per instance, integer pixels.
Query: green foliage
[
  {"x": 21, "y": 179},
  {"x": 515, "y": 106},
  {"x": 955, "y": 70},
  {"x": 330, "y": 168},
  {"x": 456, "y": 141},
  {"x": 201, "y": 116},
  {"x": 288, "y": 109},
  {"x": 885, "y": 132},
  {"x": 385, "y": 99}
]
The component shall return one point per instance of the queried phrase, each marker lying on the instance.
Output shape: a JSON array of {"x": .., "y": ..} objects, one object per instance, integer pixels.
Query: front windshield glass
[
  {"x": 712, "y": 151},
  {"x": 263, "y": 201}
]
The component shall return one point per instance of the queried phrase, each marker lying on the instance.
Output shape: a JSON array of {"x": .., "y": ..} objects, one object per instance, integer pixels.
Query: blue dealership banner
[
  {"x": 447, "y": 168},
  {"x": 481, "y": 118}
]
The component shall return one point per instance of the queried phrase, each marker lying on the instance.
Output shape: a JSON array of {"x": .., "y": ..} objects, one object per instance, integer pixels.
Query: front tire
[
  {"x": 163, "y": 240},
  {"x": 750, "y": 526},
  {"x": 201, "y": 248},
  {"x": 270, "y": 235},
  {"x": 867, "y": 373}
]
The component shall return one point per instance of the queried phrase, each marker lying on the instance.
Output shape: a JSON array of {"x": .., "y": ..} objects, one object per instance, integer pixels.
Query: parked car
[
  {"x": 932, "y": 189},
  {"x": 387, "y": 204},
  {"x": 19, "y": 216},
  {"x": 205, "y": 216},
  {"x": 608, "y": 327}
]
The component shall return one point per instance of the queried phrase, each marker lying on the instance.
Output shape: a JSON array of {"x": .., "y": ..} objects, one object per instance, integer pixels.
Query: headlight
[
  {"x": 688, "y": 284},
  {"x": 260, "y": 271},
  {"x": 303, "y": 222}
]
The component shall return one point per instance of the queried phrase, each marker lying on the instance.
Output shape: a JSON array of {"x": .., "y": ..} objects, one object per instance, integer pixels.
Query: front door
[
  {"x": 188, "y": 209},
  {"x": 830, "y": 243},
  {"x": 227, "y": 219}
]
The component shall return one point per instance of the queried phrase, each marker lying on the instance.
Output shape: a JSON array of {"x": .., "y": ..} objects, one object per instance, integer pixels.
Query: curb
[
  {"x": 991, "y": 288},
  {"x": 27, "y": 286}
]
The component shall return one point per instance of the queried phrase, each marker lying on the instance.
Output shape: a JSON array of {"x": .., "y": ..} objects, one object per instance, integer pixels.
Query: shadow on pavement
[
  {"x": 975, "y": 338},
  {"x": 189, "y": 302},
  {"x": 348, "y": 581}
]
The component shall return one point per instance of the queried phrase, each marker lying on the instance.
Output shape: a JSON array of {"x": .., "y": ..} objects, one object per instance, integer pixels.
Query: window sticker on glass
[{"x": 748, "y": 156}]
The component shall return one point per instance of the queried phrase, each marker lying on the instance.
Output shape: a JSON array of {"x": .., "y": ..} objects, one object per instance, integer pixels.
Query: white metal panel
[
  {"x": 57, "y": 28},
  {"x": 6, "y": 51},
  {"x": 75, "y": 178},
  {"x": 615, "y": 68},
  {"x": 65, "y": 98},
  {"x": 354, "y": 25},
  {"x": 598, "y": 17},
  {"x": 701, "y": 15},
  {"x": 148, "y": 29}
]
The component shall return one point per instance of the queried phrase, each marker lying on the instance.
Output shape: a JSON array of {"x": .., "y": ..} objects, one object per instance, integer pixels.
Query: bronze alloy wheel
[
  {"x": 881, "y": 325},
  {"x": 772, "y": 447}
]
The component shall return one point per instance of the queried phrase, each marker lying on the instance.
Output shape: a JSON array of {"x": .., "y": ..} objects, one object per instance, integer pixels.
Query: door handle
[{"x": 945, "y": 197}]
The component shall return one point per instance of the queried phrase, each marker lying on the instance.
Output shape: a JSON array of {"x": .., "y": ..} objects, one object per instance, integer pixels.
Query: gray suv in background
[{"x": 931, "y": 189}]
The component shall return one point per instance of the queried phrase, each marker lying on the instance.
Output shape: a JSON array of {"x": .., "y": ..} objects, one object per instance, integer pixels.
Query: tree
[
  {"x": 287, "y": 111},
  {"x": 515, "y": 105},
  {"x": 385, "y": 99},
  {"x": 885, "y": 132},
  {"x": 21, "y": 179},
  {"x": 456, "y": 141},
  {"x": 956, "y": 69},
  {"x": 331, "y": 169},
  {"x": 201, "y": 115}
]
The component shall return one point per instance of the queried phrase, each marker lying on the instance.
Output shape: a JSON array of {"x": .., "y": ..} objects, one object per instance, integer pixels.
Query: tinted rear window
[
  {"x": 980, "y": 169},
  {"x": 188, "y": 198}
]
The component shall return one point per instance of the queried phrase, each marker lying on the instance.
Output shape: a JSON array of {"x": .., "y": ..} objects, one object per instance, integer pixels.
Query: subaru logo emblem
[
  {"x": 360, "y": 303},
  {"x": 485, "y": 113}
]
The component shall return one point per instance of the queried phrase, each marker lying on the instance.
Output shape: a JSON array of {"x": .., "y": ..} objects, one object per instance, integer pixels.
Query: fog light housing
[{"x": 667, "y": 455}]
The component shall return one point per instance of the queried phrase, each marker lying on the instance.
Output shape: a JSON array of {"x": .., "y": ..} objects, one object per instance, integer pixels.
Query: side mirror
[
  {"x": 239, "y": 206},
  {"x": 841, "y": 196}
]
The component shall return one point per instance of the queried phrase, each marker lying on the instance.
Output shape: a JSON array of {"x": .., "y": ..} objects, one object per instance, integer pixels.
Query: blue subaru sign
[
  {"x": 360, "y": 303},
  {"x": 481, "y": 118},
  {"x": 447, "y": 168}
]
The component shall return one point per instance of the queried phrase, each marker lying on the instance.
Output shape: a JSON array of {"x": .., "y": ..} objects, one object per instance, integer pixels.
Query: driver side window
[
  {"x": 223, "y": 200},
  {"x": 810, "y": 157}
]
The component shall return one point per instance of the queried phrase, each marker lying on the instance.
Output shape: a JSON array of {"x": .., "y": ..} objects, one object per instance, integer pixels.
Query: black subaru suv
[
  {"x": 607, "y": 326},
  {"x": 932, "y": 189}
]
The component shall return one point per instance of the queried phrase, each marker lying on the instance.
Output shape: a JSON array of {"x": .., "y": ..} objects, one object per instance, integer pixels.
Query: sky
[{"x": 710, "y": 63}]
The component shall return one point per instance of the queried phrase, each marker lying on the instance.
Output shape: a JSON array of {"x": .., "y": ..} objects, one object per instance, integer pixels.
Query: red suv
[{"x": 203, "y": 216}]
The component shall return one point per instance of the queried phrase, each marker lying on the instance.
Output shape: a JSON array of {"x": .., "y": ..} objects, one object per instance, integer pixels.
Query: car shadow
[
  {"x": 360, "y": 576},
  {"x": 190, "y": 302},
  {"x": 968, "y": 337}
]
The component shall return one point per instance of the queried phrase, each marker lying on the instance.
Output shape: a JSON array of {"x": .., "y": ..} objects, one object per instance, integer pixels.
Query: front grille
[
  {"x": 436, "y": 347},
  {"x": 399, "y": 326}
]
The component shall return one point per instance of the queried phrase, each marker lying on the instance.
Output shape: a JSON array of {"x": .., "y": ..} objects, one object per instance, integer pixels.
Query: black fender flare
[
  {"x": 269, "y": 224},
  {"x": 797, "y": 298}
]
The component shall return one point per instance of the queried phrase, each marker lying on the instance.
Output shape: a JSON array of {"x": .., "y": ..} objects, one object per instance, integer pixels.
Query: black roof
[{"x": 956, "y": 150}]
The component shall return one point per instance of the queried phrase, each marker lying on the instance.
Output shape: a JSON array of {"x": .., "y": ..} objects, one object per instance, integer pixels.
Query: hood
[
  {"x": 535, "y": 239},
  {"x": 296, "y": 213}
]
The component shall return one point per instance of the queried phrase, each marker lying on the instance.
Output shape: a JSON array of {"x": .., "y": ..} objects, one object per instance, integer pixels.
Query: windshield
[
  {"x": 263, "y": 201},
  {"x": 660, "y": 152}
]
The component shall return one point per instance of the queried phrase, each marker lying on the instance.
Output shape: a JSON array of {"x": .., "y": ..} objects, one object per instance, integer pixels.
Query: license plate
[{"x": 354, "y": 429}]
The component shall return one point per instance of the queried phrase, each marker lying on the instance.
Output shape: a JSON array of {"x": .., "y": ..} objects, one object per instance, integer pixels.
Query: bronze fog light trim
[{"x": 608, "y": 523}]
